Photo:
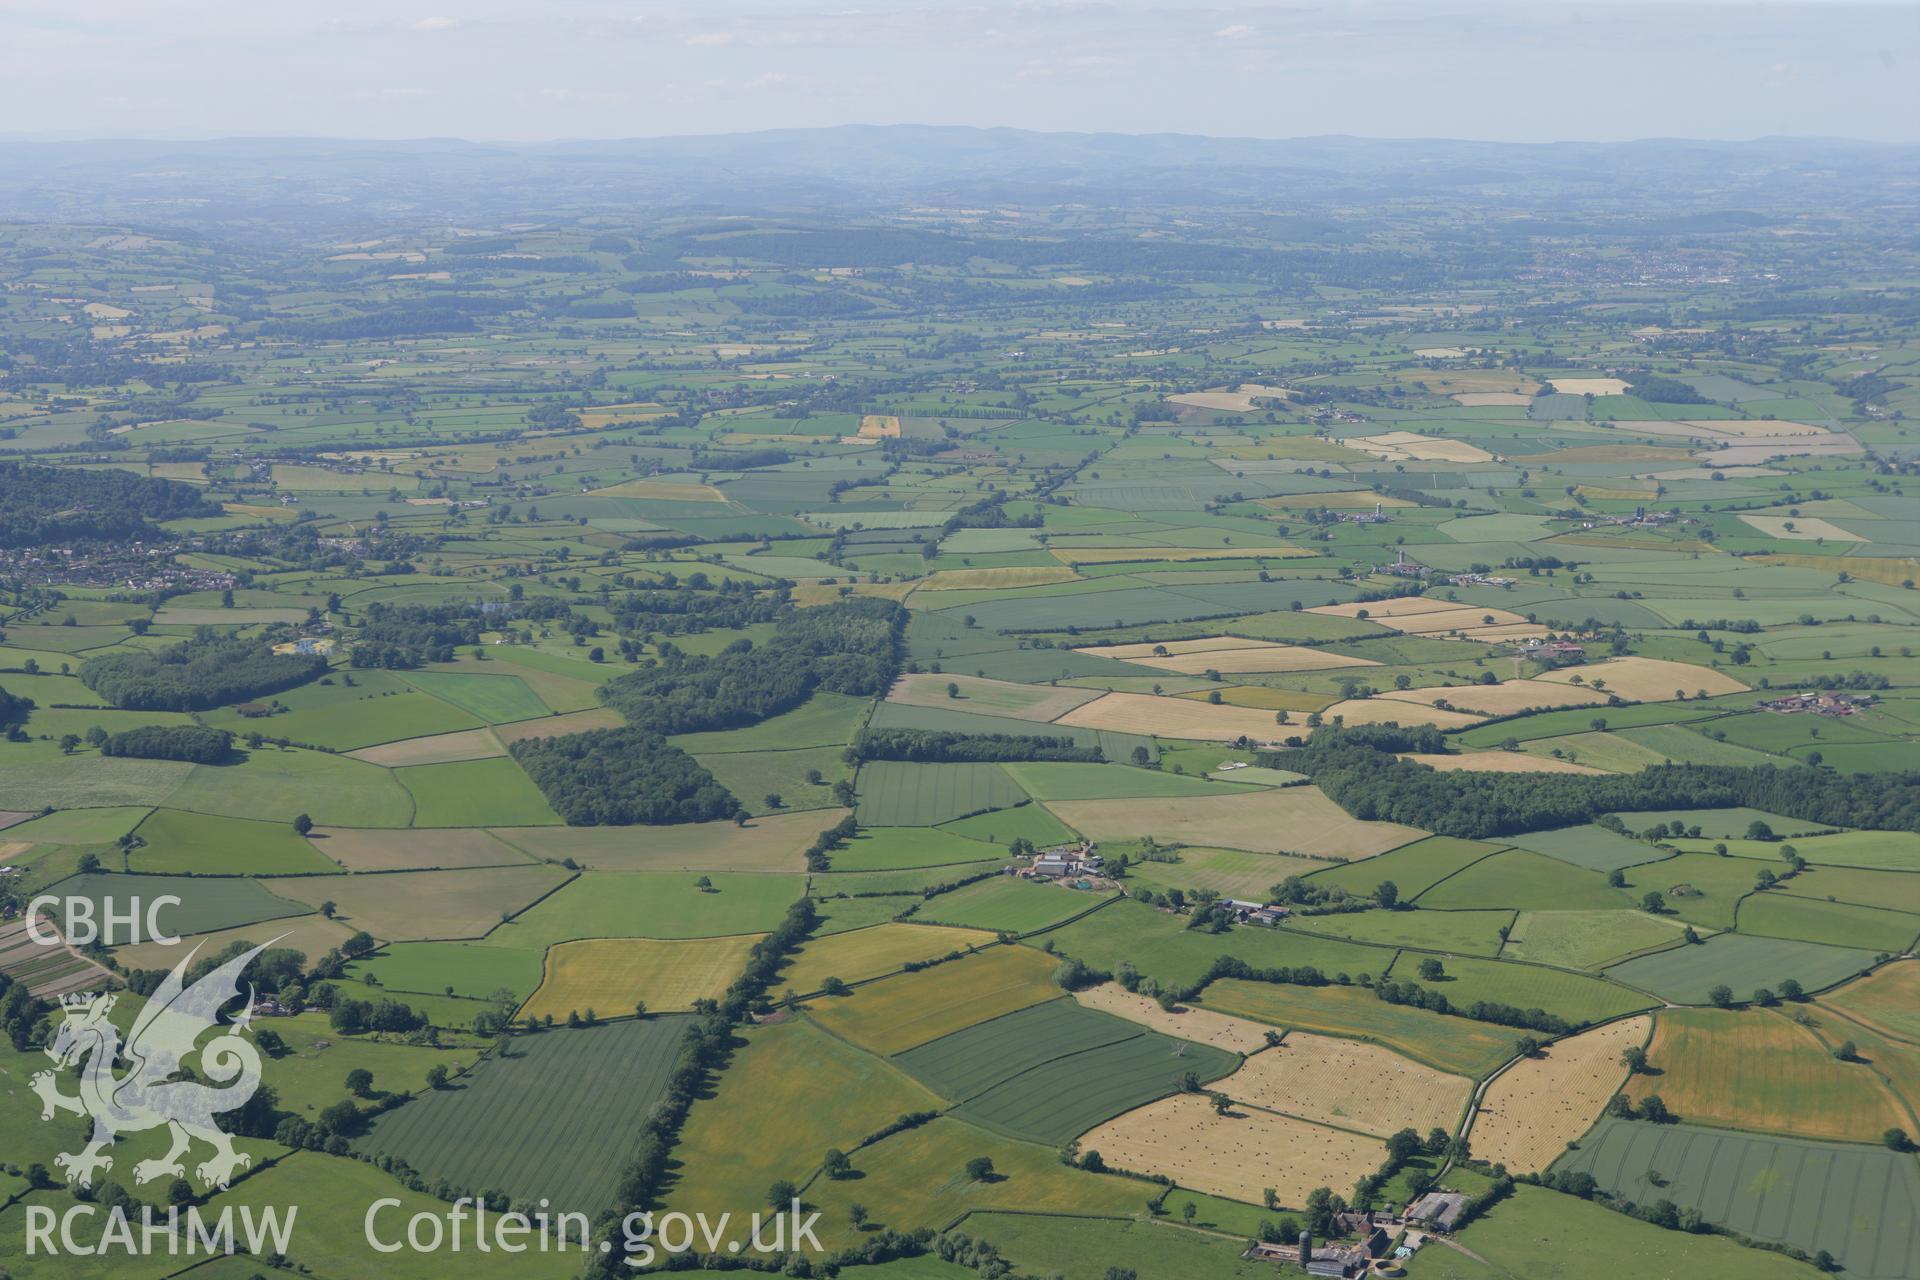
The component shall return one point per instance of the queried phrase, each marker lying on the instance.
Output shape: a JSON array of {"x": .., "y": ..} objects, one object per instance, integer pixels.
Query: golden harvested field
[
  {"x": 1347, "y": 500},
  {"x": 1589, "y": 386},
  {"x": 772, "y": 843},
  {"x": 1418, "y": 615},
  {"x": 1240, "y": 400},
  {"x": 1406, "y": 446},
  {"x": 1171, "y": 718},
  {"x": 1534, "y": 1108},
  {"x": 1504, "y": 699},
  {"x": 1387, "y": 710},
  {"x": 601, "y": 416},
  {"x": 1349, "y": 1083},
  {"x": 662, "y": 491},
  {"x": 898, "y": 1013},
  {"x": 1188, "y": 1022},
  {"x": 1256, "y": 695},
  {"x": 815, "y": 593},
  {"x": 371, "y": 849},
  {"x": 409, "y": 906},
  {"x": 437, "y": 748},
  {"x": 1755, "y": 1069},
  {"x": 1801, "y": 529},
  {"x": 1237, "y": 1156},
  {"x": 1649, "y": 679},
  {"x": 1250, "y": 657},
  {"x": 1277, "y": 820},
  {"x": 876, "y": 426},
  {"x": 607, "y": 975},
  {"x": 1032, "y": 575},
  {"x": 1492, "y": 399},
  {"x": 313, "y": 936},
  {"x": 1499, "y": 762},
  {"x": 560, "y": 726},
  {"x": 989, "y": 697},
  {"x": 860, "y": 954},
  {"x": 1888, "y": 999}
]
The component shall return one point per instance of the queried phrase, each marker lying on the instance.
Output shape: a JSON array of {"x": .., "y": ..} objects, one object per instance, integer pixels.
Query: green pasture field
[
  {"x": 1841, "y": 924},
  {"x": 1586, "y": 939},
  {"x": 78, "y": 826},
  {"x": 405, "y": 906},
  {"x": 757, "y": 777},
  {"x": 205, "y": 903},
  {"x": 1413, "y": 868},
  {"x": 331, "y": 1237},
  {"x": 893, "y": 794},
  {"x": 1595, "y": 848},
  {"x": 652, "y": 904},
  {"x": 200, "y": 844},
  {"x": 275, "y": 785},
  {"x": 1699, "y": 888},
  {"x": 455, "y": 968},
  {"x": 918, "y": 1178},
  {"x": 900, "y": 848},
  {"x": 1781, "y": 1190},
  {"x": 1063, "y": 781},
  {"x": 1539, "y": 1232},
  {"x": 1553, "y": 724},
  {"x": 859, "y": 954},
  {"x": 499, "y": 699},
  {"x": 1473, "y": 933},
  {"x": 312, "y": 1073},
  {"x": 980, "y": 1058},
  {"x": 900, "y": 1012},
  {"x": 1882, "y": 850},
  {"x": 90, "y": 782},
  {"x": 824, "y": 720},
  {"x": 766, "y": 1122},
  {"x": 1115, "y": 1078},
  {"x": 1893, "y": 890},
  {"x": 1741, "y": 962},
  {"x": 1718, "y": 824},
  {"x": 1572, "y": 996},
  {"x": 1457, "y": 1045},
  {"x": 1034, "y": 822},
  {"x": 475, "y": 793},
  {"x": 1526, "y": 881},
  {"x": 1160, "y": 945},
  {"x": 1008, "y": 903},
  {"x": 500, "y": 1128},
  {"x": 1079, "y": 1248}
]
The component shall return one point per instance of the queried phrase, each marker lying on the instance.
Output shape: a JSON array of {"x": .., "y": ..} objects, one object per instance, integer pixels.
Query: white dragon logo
[{"x": 149, "y": 1095}]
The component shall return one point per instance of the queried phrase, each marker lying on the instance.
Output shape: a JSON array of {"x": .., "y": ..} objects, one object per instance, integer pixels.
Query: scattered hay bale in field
[
  {"x": 1237, "y": 1155},
  {"x": 1350, "y": 1084},
  {"x": 1187, "y": 1022},
  {"x": 1534, "y": 1108},
  {"x": 436, "y": 748}
]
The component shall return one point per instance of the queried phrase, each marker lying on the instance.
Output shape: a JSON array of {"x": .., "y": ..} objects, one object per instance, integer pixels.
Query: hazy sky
[{"x": 521, "y": 69}]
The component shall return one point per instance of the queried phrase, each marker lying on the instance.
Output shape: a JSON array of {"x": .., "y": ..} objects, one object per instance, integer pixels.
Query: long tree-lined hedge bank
[{"x": 1359, "y": 769}]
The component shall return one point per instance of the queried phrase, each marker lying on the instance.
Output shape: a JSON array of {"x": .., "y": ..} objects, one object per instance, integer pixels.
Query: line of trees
[
  {"x": 1358, "y": 769},
  {"x": 170, "y": 742},
  {"x": 944, "y": 747}
]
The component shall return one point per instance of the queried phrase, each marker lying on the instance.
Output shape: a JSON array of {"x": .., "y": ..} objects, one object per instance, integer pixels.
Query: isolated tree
[
  {"x": 1387, "y": 894},
  {"x": 979, "y": 1169},
  {"x": 1431, "y": 970},
  {"x": 835, "y": 1164},
  {"x": 1722, "y": 996},
  {"x": 360, "y": 1082},
  {"x": 302, "y": 824},
  {"x": 1634, "y": 1059},
  {"x": 436, "y": 1076},
  {"x": 782, "y": 1193}
]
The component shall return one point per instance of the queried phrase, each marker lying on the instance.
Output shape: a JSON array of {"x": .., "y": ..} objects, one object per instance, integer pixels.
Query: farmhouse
[{"x": 1823, "y": 703}]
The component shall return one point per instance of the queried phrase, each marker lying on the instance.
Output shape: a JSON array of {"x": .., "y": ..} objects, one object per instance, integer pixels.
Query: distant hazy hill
[{"x": 305, "y": 180}]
